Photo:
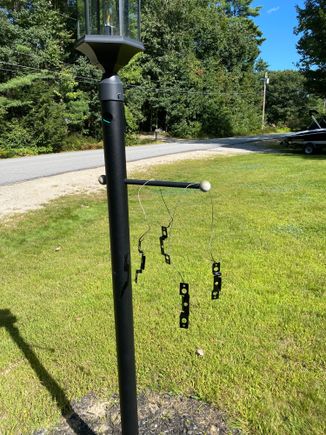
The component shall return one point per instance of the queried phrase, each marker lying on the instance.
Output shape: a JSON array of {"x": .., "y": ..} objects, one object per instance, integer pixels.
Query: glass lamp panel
[
  {"x": 108, "y": 18},
  {"x": 81, "y": 24},
  {"x": 104, "y": 17},
  {"x": 98, "y": 17},
  {"x": 94, "y": 17},
  {"x": 132, "y": 19}
]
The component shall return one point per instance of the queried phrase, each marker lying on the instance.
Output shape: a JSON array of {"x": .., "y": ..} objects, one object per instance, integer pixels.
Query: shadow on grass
[
  {"x": 316, "y": 156},
  {"x": 300, "y": 154},
  {"x": 7, "y": 321},
  {"x": 275, "y": 148}
]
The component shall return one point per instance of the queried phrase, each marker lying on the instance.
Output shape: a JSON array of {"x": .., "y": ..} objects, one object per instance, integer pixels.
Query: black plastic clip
[
  {"x": 184, "y": 316},
  {"x": 142, "y": 261},
  {"x": 163, "y": 237},
  {"x": 216, "y": 268}
]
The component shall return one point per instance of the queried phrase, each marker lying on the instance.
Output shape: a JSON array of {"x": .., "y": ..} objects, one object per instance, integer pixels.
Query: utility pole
[{"x": 266, "y": 82}]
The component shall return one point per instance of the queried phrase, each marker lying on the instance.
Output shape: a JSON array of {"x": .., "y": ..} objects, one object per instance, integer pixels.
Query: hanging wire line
[
  {"x": 168, "y": 210},
  {"x": 216, "y": 266},
  {"x": 140, "y": 201},
  {"x": 171, "y": 223},
  {"x": 210, "y": 246},
  {"x": 142, "y": 236}
]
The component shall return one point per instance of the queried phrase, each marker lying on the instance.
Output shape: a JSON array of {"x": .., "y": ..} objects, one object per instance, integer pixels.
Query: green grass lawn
[{"x": 264, "y": 340}]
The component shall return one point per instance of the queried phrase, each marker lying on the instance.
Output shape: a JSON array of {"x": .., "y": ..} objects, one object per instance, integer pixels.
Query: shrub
[
  {"x": 187, "y": 129},
  {"x": 75, "y": 142}
]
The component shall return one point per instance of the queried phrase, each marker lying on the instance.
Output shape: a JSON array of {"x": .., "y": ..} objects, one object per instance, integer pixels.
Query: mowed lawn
[{"x": 263, "y": 340}]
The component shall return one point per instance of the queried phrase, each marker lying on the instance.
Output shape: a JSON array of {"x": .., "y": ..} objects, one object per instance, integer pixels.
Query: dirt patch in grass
[{"x": 158, "y": 414}]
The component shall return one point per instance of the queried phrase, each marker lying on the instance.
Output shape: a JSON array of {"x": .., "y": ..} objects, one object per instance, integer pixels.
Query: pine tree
[{"x": 35, "y": 80}]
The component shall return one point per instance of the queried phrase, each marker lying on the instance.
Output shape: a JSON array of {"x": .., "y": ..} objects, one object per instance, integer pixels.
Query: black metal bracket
[
  {"x": 184, "y": 316},
  {"x": 164, "y": 237},
  {"x": 142, "y": 261},
  {"x": 217, "y": 285}
]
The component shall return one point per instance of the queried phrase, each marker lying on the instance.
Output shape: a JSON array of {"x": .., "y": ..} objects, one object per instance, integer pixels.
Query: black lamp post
[
  {"x": 109, "y": 32},
  {"x": 109, "y": 35}
]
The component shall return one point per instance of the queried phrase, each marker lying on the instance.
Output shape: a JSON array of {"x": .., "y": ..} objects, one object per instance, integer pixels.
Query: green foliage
[
  {"x": 311, "y": 46},
  {"x": 19, "y": 82},
  {"x": 39, "y": 96},
  {"x": 77, "y": 142},
  {"x": 238, "y": 8},
  {"x": 288, "y": 101},
  {"x": 48, "y": 120},
  {"x": 194, "y": 51},
  {"x": 187, "y": 129},
  {"x": 192, "y": 79},
  {"x": 199, "y": 75},
  {"x": 15, "y": 140}
]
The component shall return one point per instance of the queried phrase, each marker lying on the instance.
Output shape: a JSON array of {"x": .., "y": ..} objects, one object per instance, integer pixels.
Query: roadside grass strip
[{"x": 264, "y": 340}]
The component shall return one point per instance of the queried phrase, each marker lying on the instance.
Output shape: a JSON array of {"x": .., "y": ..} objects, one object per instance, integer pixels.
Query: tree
[
  {"x": 288, "y": 101},
  {"x": 311, "y": 46},
  {"x": 238, "y": 8},
  {"x": 197, "y": 73},
  {"x": 40, "y": 102},
  {"x": 196, "y": 77}
]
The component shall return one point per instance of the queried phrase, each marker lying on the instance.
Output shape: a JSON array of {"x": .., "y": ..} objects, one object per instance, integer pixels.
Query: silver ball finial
[
  {"x": 102, "y": 180},
  {"x": 205, "y": 186}
]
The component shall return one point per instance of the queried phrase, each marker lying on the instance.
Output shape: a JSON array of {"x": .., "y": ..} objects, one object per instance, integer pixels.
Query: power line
[
  {"x": 161, "y": 92},
  {"x": 66, "y": 64},
  {"x": 21, "y": 66},
  {"x": 45, "y": 70},
  {"x": 8, "y": 70},
  {"x": 153, "y": 91},
  {"x": 44, "y": 78},
  {"x": 67, "y": 16}
]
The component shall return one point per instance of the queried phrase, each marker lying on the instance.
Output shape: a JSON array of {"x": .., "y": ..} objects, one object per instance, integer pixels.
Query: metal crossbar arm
[
  {"x": 204, "y": 186},
  {"x": 162, "y": 183}
]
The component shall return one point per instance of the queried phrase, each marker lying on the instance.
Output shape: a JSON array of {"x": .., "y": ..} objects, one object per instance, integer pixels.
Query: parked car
[{"x": 310, "y": 141}]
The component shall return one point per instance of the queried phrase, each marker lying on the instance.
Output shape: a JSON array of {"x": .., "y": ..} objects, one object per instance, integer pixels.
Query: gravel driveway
[{"x": 30, "y": 195}]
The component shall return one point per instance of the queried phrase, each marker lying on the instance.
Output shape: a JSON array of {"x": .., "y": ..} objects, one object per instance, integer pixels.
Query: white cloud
[{"x": 275, "y": 9}]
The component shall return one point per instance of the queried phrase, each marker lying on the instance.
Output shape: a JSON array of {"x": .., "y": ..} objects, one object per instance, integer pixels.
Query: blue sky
[{"x": 277, "y": 20}]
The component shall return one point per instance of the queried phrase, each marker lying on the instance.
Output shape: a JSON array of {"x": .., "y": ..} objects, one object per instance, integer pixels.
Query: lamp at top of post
[{"x": 109, "y": 32}]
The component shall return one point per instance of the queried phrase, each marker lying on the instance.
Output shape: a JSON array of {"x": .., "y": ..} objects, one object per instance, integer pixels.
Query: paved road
[{"x": 28, "y": 168}]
